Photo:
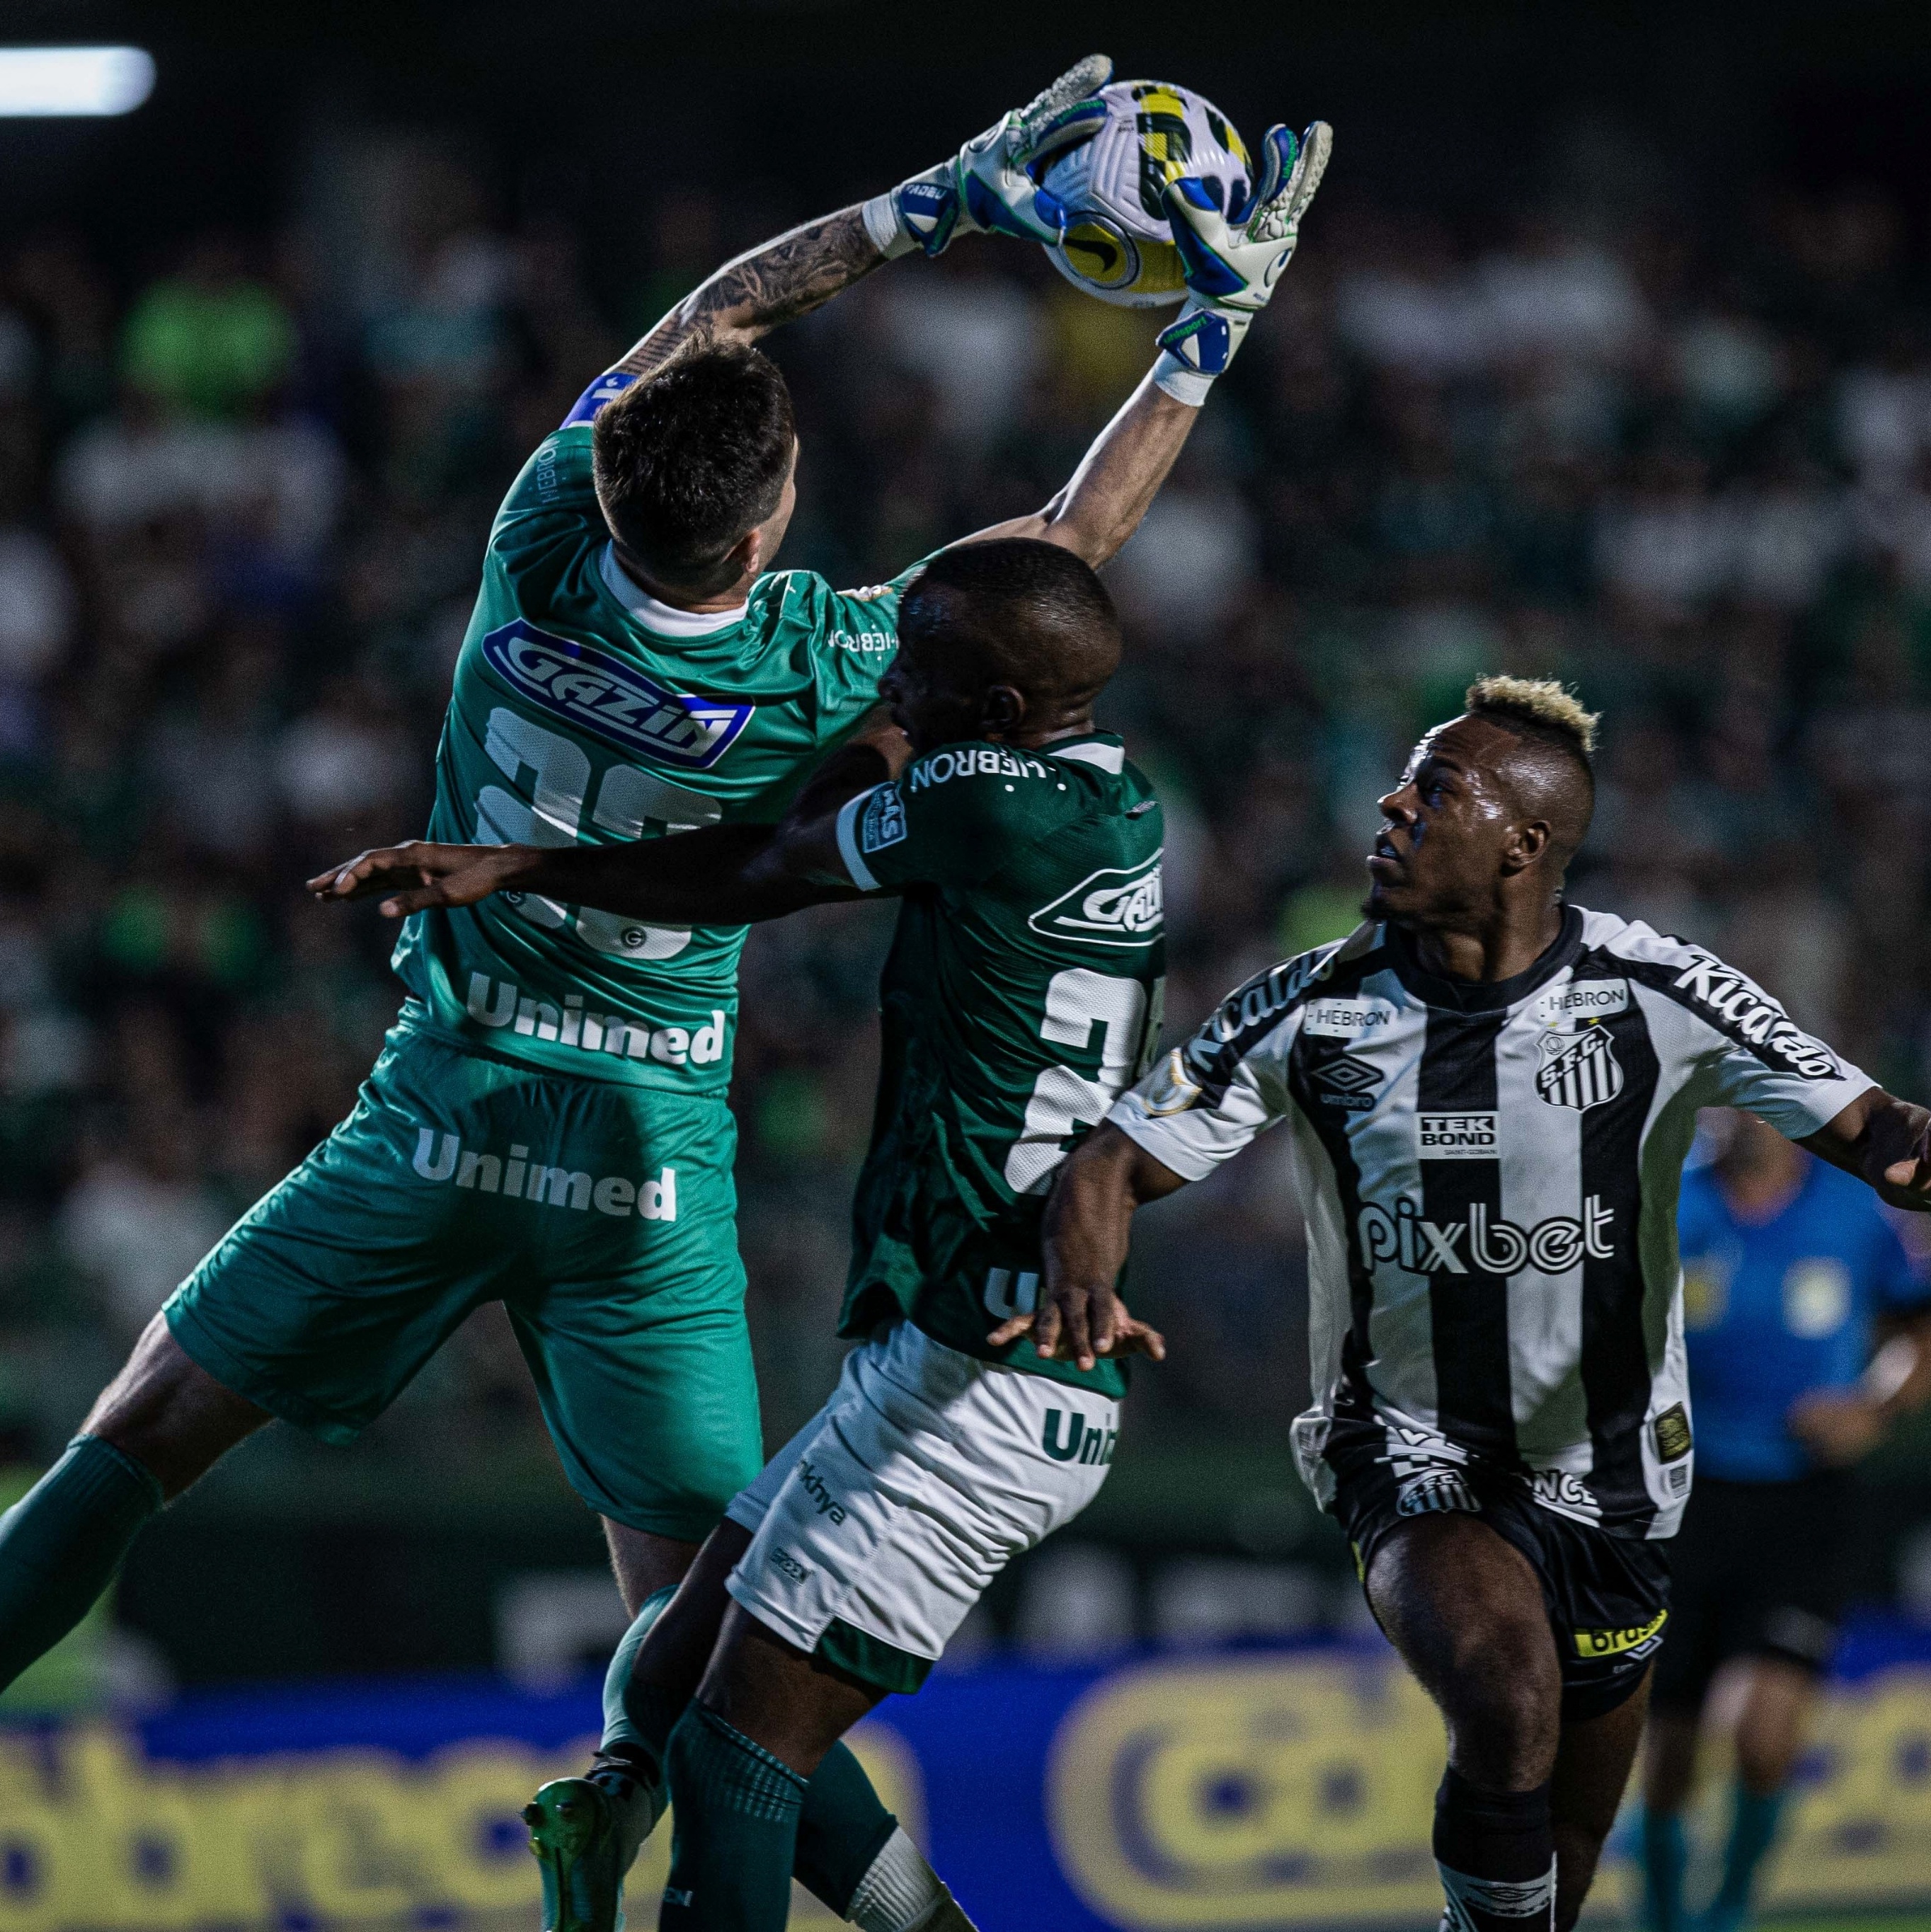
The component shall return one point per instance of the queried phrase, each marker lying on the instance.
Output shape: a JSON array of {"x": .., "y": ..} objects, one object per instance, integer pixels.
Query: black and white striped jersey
[{"x": 1489, "y": 1177}]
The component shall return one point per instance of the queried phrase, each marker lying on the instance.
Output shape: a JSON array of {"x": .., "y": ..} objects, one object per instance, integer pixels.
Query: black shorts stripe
[{"x": 1468, "y": 1306}]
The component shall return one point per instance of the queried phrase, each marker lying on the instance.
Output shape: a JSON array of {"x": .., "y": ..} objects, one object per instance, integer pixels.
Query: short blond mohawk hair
[{"x": 1539, "y": 700}]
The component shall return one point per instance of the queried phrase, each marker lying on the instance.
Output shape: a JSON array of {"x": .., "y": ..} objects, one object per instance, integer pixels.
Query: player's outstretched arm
[
  {"x": 1089, "y": 1218},
  {"x": 1116, "y": 481},
  {"x": 1884, "y": 1141},
  {"x": 764, "y": 288},
  {"x": 724, "y": 875},
  {"x": 1231, "y": 269},
  {"x": 983, "y": 189}
]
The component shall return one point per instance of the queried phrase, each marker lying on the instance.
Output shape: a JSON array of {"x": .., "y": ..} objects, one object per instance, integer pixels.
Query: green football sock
[
  {"x": 62, "y": 1543},
  {"x": 635, "y": 1715},
  {"x": 1665, "y": 1857},
  {"x": 851, "y": 1854},
  {"x": 1753, "y": 1825},
  {"x": 737, "y": 1808},
  {"x": 841, "y": 1831}
]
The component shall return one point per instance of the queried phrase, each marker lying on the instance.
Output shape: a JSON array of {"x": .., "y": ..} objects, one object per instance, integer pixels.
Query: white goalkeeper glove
[
  {"x": 985, "y": 188},
  {"x": 1231, "y": 266}
]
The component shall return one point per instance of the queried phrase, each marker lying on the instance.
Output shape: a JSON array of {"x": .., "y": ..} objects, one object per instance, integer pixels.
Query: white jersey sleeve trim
[
  {"x": 1167, "y": 1115},
  {"x": 1108, "y": 757},
  {"x": 1159, "y": 1140},
  {"x": 847, "y": 841}
]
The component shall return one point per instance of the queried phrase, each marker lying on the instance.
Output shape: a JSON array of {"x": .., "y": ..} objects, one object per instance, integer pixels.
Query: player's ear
[
  {"x": 746, "y": 557},
  {"x": 1001, "y": 710},
  {"x": 1526, "y": 844}
]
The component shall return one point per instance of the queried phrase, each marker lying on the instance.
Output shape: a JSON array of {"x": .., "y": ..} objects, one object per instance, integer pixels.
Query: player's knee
[
  {"x": 169, "y": 1414},
  {"x": 1503, "y": 1708},
  {"x": 1765, "y": 1762}
]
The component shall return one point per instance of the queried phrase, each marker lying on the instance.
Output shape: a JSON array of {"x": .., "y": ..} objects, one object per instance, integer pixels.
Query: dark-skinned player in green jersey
[{"x": 1022, "y": 994}]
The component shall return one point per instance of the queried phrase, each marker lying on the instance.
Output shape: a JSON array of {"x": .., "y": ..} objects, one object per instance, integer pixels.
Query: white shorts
[{"x": 882, "y": 1521}]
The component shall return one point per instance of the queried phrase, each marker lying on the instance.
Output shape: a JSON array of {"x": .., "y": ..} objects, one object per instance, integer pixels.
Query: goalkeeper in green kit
[{"x": 547, "y": 1125}]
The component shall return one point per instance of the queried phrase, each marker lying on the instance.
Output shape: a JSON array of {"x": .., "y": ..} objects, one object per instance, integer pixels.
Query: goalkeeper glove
[
  {"x": 1231, "y": 265},
  {"x": 985, "y": 188}
]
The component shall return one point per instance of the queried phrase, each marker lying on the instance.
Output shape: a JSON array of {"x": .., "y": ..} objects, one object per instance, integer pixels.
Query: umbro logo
[{"x": 1345, "y": 1082}]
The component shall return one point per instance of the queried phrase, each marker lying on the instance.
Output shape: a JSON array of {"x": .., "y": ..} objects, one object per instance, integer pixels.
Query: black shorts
[
  {"x": 1608, "y": 1597},
  {"x": 1760, "y": 1572}
]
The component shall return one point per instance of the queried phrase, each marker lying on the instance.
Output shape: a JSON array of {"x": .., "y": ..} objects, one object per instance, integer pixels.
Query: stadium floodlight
[{"x": 51, "y": 81}]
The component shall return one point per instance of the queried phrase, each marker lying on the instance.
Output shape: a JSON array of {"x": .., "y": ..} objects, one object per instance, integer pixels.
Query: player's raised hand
[
  {"x": 987, "y": 188},
  {"x": 419, "y": 874},
  {"x": 1083, "y": 1322},
  {"x": 1232, "y": 258}
]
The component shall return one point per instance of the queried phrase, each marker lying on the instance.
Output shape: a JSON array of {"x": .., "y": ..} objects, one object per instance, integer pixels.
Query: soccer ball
[{"x": 1116, "y": 243}]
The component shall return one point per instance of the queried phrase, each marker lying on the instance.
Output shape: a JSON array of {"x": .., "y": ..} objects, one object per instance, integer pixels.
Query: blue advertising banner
[{"x": 1280, "y": 1789}]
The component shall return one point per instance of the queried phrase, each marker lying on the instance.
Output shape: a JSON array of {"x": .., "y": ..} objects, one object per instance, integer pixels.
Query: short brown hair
[{"x": 690, "y": 459}]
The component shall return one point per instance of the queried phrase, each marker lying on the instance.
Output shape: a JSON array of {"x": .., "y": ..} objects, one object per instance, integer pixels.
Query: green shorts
[{"x": 601, "y": 1215}]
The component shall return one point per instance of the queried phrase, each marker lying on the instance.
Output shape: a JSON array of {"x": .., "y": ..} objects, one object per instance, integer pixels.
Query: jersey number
[
  {"x": 1064, "y": 1101},
  {"x": 629, "y": 802}
]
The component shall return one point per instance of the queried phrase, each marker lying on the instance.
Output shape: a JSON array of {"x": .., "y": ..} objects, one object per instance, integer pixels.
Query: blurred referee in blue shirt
[{"x": 1808, "y": 1331}]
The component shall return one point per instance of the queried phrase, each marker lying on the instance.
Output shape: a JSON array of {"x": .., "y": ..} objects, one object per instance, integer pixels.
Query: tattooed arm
[
  {"x": 764, "y": 288},
  {"x": 804, "y": 269}
]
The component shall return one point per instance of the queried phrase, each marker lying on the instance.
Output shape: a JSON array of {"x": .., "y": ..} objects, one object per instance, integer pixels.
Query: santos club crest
[{"x": 1579, "y": 1070}]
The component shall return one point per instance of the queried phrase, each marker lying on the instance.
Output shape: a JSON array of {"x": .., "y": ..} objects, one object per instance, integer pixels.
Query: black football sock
[
  {"x": 1495, "y": 1852},
  {"x": 734, "y": 1839},
  {"x": 842, "y": 1832},
  {"x": 62, "y": 1543}
]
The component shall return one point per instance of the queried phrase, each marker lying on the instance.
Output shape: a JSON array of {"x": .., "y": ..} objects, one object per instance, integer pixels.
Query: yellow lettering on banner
[
  {"x": 1280, "y": 1793},
  {"x": 43, "y": 1862},
  {"x": 1294, "y": 1793},
  {"x": 94, "y": 1838},
  {"x": 1297, "y": 1794},
  {"x": 166, "y": 1857}
]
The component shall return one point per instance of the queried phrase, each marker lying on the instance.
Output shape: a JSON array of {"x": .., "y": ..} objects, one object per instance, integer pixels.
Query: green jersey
[
  {"x": 1022, "y": 994},
  {"x": 586, "y": 711}
]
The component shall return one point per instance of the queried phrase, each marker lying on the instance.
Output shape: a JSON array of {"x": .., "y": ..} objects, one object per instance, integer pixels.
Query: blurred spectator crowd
[{"x": 244, "y": 492}]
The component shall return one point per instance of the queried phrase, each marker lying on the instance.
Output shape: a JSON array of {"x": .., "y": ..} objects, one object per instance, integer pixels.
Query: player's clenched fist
[{"x": 417, "y": 875}]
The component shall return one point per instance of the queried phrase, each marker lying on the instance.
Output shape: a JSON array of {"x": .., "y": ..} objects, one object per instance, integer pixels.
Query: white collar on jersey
[
  {"x": 1108, "y": 757},
  {"x": 664, "y": 620}
]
